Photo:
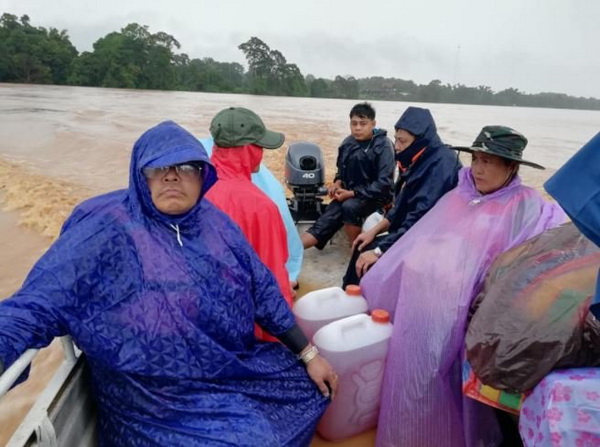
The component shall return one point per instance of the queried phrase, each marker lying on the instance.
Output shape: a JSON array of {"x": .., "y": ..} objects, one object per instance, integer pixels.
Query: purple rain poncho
[
  {"x": 166, "y": 318},
  {"x": 427, "y": 281}
]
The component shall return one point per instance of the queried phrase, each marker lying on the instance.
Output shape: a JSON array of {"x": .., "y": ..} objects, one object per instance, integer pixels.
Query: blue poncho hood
[{"x": 165, "y": 144}]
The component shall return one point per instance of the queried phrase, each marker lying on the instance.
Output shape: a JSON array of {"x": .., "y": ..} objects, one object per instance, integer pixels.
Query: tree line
[{"x": 136, "y": 58}]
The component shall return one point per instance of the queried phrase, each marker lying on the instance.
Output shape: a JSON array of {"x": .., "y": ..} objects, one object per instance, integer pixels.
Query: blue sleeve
[
  {"x": 295, "y": 248},
  {"x": 31, "y": 317},
  {"x": 269, "y": 184},
  {"x": 392, "y": 212},
  {"x": 271, "y": 311}
]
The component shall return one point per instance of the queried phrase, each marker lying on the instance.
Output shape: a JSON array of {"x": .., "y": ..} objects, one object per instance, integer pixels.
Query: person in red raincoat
[{"x": 240, "y": 137}]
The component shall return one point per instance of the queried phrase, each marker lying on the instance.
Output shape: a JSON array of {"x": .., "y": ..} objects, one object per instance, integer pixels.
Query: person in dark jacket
[
  {"x": 428, "y": 170},
  {"x": 363, "y": 182}
]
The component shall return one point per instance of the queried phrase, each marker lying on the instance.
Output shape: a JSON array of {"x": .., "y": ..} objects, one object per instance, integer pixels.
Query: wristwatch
[{"x": 377, "y": 251}]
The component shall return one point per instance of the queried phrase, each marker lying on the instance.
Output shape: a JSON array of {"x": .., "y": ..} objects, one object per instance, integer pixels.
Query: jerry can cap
[
  {"x": 380, "y": 316},
  {"x": 353, "y": 290}
]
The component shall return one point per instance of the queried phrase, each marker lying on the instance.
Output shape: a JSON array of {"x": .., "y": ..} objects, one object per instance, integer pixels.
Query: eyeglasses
[{"x": 184, "y": 170}]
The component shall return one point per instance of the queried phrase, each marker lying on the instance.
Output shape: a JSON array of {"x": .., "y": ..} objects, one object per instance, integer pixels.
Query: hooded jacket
[
  {"x": 249, "y": 207},
  {"x": 425, "y": 180},
  {"x": 367, "y": 171},
  {"x": 163, "y": 307},
  {"x": 268, "y": 183}
]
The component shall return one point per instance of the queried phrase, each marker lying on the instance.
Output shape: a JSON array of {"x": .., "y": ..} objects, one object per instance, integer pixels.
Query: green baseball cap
[
  {"x": 237, "y": 126},
  {"x": 501, "y": 141}
]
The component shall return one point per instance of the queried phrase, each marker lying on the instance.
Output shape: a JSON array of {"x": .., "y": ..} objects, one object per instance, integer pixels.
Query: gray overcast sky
[{"x": 532, "y": 45}]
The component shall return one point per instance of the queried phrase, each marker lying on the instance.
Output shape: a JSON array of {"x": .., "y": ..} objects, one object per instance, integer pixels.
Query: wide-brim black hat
[{"x": 501, "y": 141}]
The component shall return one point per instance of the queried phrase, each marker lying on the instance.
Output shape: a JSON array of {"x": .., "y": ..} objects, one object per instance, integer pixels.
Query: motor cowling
[{"x": 305, "y": 177}]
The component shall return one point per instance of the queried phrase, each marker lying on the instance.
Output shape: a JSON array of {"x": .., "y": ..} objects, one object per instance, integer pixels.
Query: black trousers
[
  {"x": 351, "y": 211},
  {"x": 351, "y": 277},
  {"x": 510, "y": 429}
]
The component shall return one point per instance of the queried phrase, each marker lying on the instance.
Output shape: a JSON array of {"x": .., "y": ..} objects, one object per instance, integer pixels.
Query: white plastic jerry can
[
  {"x": 320, "y": 307},
  {"x": 356, "y": 347},
  {"x": 371, "y": 221}
]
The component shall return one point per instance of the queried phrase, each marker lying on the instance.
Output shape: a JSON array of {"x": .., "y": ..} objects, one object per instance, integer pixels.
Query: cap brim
[
  {"x": 271, "y": 140},
  {"x": 478, "y": 149}
]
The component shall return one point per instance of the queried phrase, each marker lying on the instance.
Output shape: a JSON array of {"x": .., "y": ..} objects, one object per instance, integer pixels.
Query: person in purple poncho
[
  {"x": 160, "y": 290},
  {"x": 427, "y": 281}
]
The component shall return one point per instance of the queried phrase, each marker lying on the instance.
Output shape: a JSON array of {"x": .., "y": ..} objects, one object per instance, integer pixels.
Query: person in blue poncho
[{"x": 160, "y": 290}]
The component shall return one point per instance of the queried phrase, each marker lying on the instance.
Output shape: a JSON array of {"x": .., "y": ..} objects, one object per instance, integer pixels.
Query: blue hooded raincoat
[
  {"x": 423, "y": 181},
  {"x": 164, "y": 309}
]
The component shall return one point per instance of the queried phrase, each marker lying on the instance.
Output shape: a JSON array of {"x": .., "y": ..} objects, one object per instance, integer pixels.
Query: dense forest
[{"x": 136, "y": 58}]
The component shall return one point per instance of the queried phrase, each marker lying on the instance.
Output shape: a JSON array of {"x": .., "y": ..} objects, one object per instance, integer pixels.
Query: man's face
[
  {"x": 175, "y": 189},
  {"x": 402, "y": 140},
  {"x": 361, "y": 128}
]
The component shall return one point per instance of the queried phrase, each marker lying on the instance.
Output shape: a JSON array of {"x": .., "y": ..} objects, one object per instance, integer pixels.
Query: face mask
[{"x": 406, "y": 156}]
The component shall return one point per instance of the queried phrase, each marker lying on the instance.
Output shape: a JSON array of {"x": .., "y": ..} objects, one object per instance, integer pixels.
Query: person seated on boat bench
[
  {"x": 272, "y": 187},
  {"x": 161, "y": 290},
  {"x": 428, "y": 279},
  {"x": 240, "y": 137},
  {"x": 428, "y": 170},
  {"x": 363, "y": 182}
]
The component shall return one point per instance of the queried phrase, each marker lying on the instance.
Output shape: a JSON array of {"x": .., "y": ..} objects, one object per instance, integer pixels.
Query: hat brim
[
  {"x": 271, "y": 140},
  {"x": 479, "y": 149}
]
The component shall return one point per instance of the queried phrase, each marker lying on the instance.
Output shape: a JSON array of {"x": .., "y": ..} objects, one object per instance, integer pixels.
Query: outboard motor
[{"x": 305, "y": 176}]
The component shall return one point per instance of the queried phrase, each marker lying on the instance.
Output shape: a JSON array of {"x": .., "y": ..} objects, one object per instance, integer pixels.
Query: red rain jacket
[{"x": 254, "y": 212}]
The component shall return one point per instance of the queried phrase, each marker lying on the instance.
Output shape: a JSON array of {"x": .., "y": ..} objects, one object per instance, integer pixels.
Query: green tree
[
  {"x": 345, "y": 87},
  {"x": 260, "y": 64},
  {"x": 132, "y": 58},
  {"x": 33, "y": 54},
  {"x": 319, "y": 88},
  {"x": 269, "y": 72},
  {"x": 86, "y": 70},
  {"x": 508, "y": 97},
  {"x": 209, "y": 75},
  {"x": 431, "y": 92}
]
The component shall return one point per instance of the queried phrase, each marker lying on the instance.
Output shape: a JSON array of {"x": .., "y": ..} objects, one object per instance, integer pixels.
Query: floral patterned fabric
[{"x": 563, "y": 410}]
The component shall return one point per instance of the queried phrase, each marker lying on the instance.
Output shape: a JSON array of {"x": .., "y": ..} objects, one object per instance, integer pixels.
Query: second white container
[{"x": 357, "y": 348}]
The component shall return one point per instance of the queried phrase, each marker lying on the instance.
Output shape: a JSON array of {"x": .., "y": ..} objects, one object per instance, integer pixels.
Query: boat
[{"x": 64, "y": 414}]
